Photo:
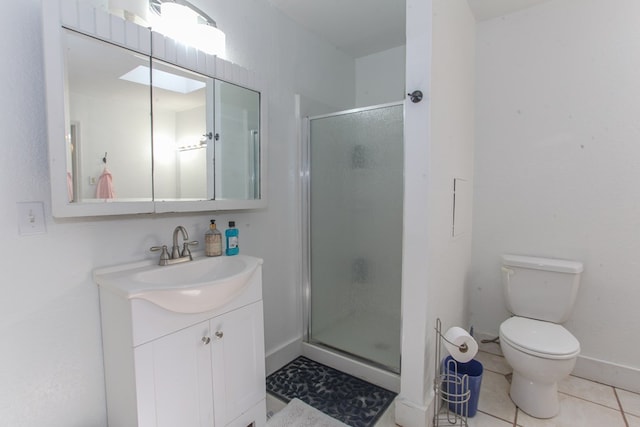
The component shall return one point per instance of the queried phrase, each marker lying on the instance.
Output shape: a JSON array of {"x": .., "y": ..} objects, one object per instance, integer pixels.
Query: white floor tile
[
  {"x": 388, "y": 418},
  {"x": 484, "y": 420},
  {"x": 494, "y": 396},
  {"x": 489, "y": 347},
  {"x": 479, "y": 420},
  {"x": 583, "y": 403},
  {"x": 575, "y": 412},
  {"x": 589, "y": 390},
  {"x": 633, "y": 421},
  {"x": 274, "y": 404},
  {"x": 493, "y": 362},
  {"x": 630, "y": 402}
]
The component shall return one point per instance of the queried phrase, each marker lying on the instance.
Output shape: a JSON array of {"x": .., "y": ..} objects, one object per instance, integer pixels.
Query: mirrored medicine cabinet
[{"x": 138, "y": 123}]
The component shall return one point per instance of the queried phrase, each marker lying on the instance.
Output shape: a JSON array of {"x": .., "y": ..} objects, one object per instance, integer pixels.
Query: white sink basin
[{"x": 196, "y": 286}]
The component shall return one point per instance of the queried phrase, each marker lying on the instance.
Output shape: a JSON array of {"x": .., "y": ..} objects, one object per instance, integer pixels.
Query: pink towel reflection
[{"x": 104, "y": 189}]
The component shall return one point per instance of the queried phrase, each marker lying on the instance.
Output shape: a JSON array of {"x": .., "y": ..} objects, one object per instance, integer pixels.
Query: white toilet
[{"x": 540, "y": 292}]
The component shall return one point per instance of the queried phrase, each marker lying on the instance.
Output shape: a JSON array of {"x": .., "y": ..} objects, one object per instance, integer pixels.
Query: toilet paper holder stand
[
  {"x": 462, "y": 347},
  {"x": 451, "y": 389}
]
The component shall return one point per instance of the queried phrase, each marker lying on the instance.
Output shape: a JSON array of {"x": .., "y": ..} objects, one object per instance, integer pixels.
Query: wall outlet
[{"x": 31, "y": 218}]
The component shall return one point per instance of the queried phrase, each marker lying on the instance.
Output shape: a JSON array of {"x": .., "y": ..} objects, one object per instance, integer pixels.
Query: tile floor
[{"x": 583, "y": 403}]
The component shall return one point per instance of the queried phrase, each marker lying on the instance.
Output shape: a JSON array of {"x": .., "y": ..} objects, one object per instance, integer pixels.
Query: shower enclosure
[{"x": 353, "y": 261}]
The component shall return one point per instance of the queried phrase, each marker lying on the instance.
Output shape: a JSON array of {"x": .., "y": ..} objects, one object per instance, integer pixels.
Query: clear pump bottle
[{"x": 213, "y": 240}]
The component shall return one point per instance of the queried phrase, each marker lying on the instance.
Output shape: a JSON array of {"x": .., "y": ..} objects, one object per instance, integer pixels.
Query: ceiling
[
  {"x": 357, "y": 27},
  {"x": 363, "y": 27},
  {"x": 487, "y": 9}
]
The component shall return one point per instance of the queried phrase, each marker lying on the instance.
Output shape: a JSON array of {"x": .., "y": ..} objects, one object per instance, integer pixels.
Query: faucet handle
[
  {"x": 185, "y": 248},
  {"x": 164, "y": 256}
]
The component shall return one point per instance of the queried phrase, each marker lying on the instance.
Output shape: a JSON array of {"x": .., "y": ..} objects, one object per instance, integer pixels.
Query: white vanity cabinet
[
  {"x": 174, "y": 382},
  {"x": 207, "y": 374},
  {"x": 168, "y": 369}
]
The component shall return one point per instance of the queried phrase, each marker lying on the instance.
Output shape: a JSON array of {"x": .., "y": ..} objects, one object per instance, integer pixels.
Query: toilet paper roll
[{"x": 460, "y": 345}]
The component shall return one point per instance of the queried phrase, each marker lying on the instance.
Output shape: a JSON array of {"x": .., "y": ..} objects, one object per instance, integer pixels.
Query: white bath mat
[{"x": 299, "y": 414}]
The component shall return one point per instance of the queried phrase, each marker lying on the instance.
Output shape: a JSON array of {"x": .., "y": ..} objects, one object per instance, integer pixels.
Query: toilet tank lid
[{"x": 547, "y": 264}]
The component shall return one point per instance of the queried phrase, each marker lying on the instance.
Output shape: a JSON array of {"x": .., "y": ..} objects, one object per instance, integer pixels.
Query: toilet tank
[{"x": 540, "y": 288}]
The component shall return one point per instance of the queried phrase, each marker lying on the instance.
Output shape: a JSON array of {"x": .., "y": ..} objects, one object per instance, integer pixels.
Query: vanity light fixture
[
  {"x": 182, "y": 21},
  {"x": 201, "y": 144},
  {"x": 131, "y": 10}
]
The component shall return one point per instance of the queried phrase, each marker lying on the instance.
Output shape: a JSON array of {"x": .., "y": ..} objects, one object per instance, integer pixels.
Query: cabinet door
[
  {"x": 238, "y": 362},
  {"x": 173, "y": 374}
]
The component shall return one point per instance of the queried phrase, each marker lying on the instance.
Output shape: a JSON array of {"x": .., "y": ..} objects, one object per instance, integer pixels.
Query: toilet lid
[{"x": 539, "y": 338}]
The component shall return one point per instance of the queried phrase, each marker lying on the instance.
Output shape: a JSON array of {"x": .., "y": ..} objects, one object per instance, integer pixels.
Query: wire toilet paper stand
[{"x": 451, "y": 389}]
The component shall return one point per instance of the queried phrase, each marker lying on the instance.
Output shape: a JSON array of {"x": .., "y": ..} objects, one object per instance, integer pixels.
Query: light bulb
[
  {"x": 210, "y": 39},
  {"x": 131, "y": 10},
  {"x": 178, "y": 14}
]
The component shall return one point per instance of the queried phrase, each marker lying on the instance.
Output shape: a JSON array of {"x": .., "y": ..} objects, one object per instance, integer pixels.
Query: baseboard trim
[
  {"x": 590, "y": 368},
  {"x": 353, "y": 367},
  {"x": 280, "y": 356},
  {"x": 602, "y": 371},
  {"x": 408, "y": 414}
]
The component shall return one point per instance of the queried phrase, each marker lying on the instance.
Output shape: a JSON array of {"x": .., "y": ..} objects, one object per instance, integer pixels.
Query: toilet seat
[{"x": 539, "y": 338}]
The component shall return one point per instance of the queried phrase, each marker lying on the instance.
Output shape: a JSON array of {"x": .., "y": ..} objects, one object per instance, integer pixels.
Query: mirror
[
  {"x": 196, "y": 158},
  {"x": 237, "y": 142},
  {"x": 181, "y": 147},
  {"x": 109, "y": 127},
  {"x": 139, "y": 130}
]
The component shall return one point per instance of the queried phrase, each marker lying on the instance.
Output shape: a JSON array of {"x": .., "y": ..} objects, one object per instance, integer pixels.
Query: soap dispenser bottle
[
  {"x": 213, "y": 240},
  {"x": 231, "y": 235}
]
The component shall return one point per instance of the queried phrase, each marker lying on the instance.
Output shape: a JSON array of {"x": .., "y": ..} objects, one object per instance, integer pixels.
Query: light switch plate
[{"x": 31, "y": 218}]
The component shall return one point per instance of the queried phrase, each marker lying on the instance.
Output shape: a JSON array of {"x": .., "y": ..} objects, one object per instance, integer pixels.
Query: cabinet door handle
[
  {"x": 206, "y": 340},
  {"x": 219, "y": 334}
]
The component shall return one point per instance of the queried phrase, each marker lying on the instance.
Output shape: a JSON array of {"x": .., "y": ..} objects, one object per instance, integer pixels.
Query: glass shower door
[{"x": 355, "y": 233}]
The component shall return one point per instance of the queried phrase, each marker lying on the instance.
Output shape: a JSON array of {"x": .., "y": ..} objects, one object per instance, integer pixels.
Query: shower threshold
[{"x": 352, "y": 366}]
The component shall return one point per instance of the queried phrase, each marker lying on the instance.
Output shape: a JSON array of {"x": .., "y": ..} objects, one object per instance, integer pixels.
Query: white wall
[
  {"x": 380, "y": 77},
  {"x": 51, "y": 363},
  {"x": 558, "y": 164},
  {"x": 190, "y": 165},
  {"x": 128, "y": 161},
  {"x": 439, "y": 147},
  {"x": 451, "y": 157}
]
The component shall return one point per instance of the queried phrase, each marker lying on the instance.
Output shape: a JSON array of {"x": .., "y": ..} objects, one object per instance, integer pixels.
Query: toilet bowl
[
  {"x": 541, "y": 353},
  {"x": 540, "y": 293}
]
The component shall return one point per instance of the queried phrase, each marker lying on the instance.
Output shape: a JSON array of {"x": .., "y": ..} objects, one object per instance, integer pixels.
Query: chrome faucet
[
  {"x": 175, "y": 251},
  {"x": 176, "y": 255}
]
